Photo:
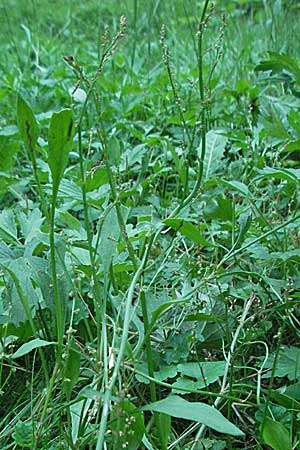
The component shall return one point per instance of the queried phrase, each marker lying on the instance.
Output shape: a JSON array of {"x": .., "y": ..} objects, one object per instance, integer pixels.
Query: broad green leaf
[
  {"x": 188, "y": 230},
  {"x": 291, "y": 175},
  {"x": 219, "y": 208},
  {"x": 161, "y": 375},
  {"x": 24, "y": 434},
  {"x": 184, "y": 386},
  {"x": 8, "y": 228},
  {"x": 6, "y": 253},
  {"x": 286, "y": 401},
  {"x": 238, "y": 186},
  {"x": 205, "y": 371},
  {"x": 30, "y": 223},
  {"x": 293, "y": 391},
  {"x": 215, "y": 147},
  {"x": 287, "y": 364},
  {"x": 29, "y": 346},
  {"x": 114, "y": 151},
  {"x": 127, "y": 426},
  {"x": 31, "y": 273},
  {"x": 245, "y": 220},
  {"x": 60, "y": 138},
  {"x": 71, "y": 368},
  {"x": 27, "y": 124},
  {"x": 280, "y": 62},
  {"x": 198, "y": 412},
  {"x": 276, "y": 435},
  {"x": 110, "y": 234},
  {"x": 292, "y": 146}
]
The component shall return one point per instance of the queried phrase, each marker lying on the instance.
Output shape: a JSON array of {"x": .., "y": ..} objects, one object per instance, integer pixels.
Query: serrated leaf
[
  {"x": 29, "y": 346},
  {"x": 276, "y": 435},
  {"x": 176, "y": 406},
  {"x": 27, "y": 124},
  {"x": 60, "y": 138}
]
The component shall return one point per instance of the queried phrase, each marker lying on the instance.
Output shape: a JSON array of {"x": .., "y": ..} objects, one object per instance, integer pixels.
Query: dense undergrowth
[{"x": 149, "y": 225}]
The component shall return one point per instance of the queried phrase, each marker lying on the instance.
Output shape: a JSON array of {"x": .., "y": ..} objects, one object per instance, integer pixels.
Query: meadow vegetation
[{"x": 149, "y": 225}]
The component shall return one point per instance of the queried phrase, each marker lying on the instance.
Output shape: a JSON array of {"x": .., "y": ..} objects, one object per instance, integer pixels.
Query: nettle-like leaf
[
  {"x": 27, "y": 124},
  {"x": 60, "y": 138},
  {"x": 176, "y": 406}
]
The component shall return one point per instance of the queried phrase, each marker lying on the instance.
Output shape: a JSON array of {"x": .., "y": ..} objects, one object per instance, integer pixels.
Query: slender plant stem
[
  {"x": 121, "y": 351},
  {"x": 228, "y": 364},
  {"x": 57, "y": 300},
  {"x": 27, "y": 310}
]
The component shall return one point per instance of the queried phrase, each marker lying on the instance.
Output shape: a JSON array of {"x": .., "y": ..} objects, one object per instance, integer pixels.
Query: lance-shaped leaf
[
  {"x": 276, "y": 435},
  {"x": 60, "y": 143},
  {"x": 198, "y": 412},
  {"x": 27, "y": 124},
  {"x": 72, "y": 368}
]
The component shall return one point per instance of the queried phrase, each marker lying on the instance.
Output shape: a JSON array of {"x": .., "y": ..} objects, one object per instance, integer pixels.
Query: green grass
[{"x": 149, "y": 231}]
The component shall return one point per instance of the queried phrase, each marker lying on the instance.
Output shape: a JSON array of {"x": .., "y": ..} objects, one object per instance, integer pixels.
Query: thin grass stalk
[
  {"x": 229, "y": 358},
  {"x": 135, "y": 15},
  {"x": 119, "y": 360},
  {"x": 26, "y": 307},
  {"x": 232, "y": 253},
  {"x": 57, "y": 300},
  {"x": 149, "y": 354},
  {"x": 96, "y": 292},
  {"x": 50, "y": 386},
  {"x": 195, "y": 190}
]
